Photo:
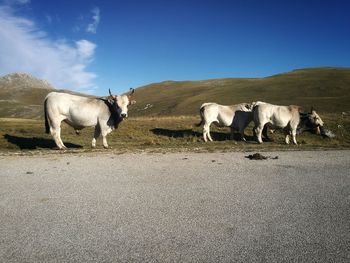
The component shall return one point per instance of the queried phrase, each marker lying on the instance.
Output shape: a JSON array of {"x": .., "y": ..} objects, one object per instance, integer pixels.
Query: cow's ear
[
  {"x": 132, "y": 102},
  {"x": 111, "y": 99}
]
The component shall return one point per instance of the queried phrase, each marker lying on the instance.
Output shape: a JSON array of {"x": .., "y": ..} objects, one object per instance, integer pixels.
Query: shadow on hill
[
  {"x": 34, "y": 143},
  {"x": 216, "y": 136}
]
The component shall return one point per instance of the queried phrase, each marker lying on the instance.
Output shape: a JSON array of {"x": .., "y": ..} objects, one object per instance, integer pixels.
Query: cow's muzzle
[{"x": 124, "y": 115}]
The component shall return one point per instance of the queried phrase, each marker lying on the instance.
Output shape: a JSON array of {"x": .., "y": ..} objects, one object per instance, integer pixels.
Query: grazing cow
[
  {"x": 80, "y": 112},
  {"x": 311, "y": 122},
  {"x": 237, "y": 117},
  {"x": 286, "y": 117}
]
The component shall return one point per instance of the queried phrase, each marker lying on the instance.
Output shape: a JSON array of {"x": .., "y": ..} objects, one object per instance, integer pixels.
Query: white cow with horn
[
  {"x": 80, "y": 112},
  {"x": 275, "y": 116},
  {"x": 237, "y": 117}
]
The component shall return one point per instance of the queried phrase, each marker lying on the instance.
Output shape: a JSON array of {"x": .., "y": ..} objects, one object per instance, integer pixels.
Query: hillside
[
  {"x": 22, "y": 95},
  {"x": 327, "y": 89}
]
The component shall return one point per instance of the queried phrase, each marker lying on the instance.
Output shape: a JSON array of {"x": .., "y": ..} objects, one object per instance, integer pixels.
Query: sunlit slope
[{"x": 327, "y": 89}]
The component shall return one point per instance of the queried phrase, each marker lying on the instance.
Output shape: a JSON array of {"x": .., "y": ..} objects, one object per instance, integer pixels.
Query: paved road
[{"x": 216, "y": 207}]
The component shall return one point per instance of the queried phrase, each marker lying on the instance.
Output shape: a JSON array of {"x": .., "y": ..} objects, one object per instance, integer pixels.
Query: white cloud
[
  {"x": 24, "y": 48},
  {"x": 86, "y": 49},
  {"x": 92, "y": 27}
]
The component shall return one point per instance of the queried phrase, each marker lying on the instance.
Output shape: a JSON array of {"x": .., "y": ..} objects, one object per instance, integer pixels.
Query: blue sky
[{"x": 90, "y": 46}]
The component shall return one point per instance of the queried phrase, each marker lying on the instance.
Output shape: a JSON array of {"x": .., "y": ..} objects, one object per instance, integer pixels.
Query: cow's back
[
  {"x": 276, "y": 115},
  {"x": 76, "y": 110}
]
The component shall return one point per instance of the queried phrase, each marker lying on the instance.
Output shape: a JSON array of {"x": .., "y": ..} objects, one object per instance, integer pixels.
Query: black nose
[{"x": 123, "y": 115}]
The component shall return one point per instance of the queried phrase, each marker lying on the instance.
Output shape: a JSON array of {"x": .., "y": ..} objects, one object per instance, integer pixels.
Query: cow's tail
[
  {"x": 47, "y": 126},
  {"x": 201, "y": 113}
]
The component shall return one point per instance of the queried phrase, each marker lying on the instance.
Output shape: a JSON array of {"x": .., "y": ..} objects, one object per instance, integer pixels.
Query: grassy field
[{"x": 161, "y": 134}]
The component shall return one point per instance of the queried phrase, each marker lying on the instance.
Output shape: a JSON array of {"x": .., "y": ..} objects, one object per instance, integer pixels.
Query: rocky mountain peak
[{"x": 24, "y": 80}]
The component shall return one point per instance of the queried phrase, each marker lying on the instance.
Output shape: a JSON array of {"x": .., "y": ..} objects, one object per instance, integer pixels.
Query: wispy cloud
[
  {"x": 25, "y": 48},
  {"x": 92, "y": 27},
  {"x": 16, "y": 2},
  {"x": 48, "y": 18},
  {"x": 85, "y": 49}
]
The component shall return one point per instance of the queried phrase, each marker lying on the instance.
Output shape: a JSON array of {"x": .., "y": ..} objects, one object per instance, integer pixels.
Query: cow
[
  {"x": 311, "y": 122},
  {"x": 79, "y": 112},
  {"x": 291, "y": 118},
  {"x": 237, "y": 117},
  {"x": 285, "y": 117}
]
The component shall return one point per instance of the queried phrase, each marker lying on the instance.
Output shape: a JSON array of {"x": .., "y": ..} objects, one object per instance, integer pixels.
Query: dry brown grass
[{"x": 163, "y": 134}]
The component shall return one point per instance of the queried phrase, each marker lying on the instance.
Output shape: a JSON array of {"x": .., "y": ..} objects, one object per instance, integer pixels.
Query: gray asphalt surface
[{"x": 188, "y": 207}]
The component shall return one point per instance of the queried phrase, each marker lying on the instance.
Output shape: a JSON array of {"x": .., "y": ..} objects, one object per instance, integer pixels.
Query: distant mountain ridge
[
  {"x": 24, "y": 80},
  {"x": 327, "y": 89},
  {"x": 22, "y": 95}
]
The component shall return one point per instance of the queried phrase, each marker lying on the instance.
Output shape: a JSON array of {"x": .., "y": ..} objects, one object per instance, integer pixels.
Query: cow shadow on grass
[
  {"x": 175, "y": 133},
  {"x": 188, "y": 133},
  {"x": 33, "y": 143}
]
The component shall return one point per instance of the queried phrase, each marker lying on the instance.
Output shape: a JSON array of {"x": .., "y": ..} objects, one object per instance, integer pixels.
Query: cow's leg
[
  {"x": 287, "y": 137},
  {"x": 104, "y": 141},
  {"x": 294, "y": 136},
  {"x": 258, "y": 131},
  {"x": 104, "y": 129},
  {"x": 55, "y": 130},
  {"x": 206, "y": 132},
  {"x": 104, "y": 138},
  {"x": 97, "y": 133}
]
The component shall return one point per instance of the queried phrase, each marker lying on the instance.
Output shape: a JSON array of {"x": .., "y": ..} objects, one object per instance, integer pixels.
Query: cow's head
[
  {"x": 315, "y": 120},
  {"x": 120, "y": 103},
  {"x": 311, "y": 122}
]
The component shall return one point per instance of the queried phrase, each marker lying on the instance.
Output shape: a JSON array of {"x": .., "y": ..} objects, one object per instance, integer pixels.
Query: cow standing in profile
[
  {"x": 80, "y": 112},
  {"x": 286, "y": 117},
  {"x": 237, "y": 117}
]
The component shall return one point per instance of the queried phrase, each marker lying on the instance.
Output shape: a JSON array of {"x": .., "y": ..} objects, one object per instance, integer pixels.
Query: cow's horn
[
  {"x": 110, "y": 93},
  {"x": 132, "y": 91}
]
